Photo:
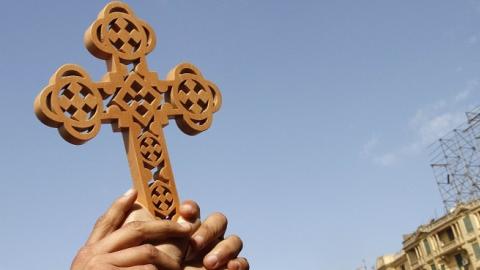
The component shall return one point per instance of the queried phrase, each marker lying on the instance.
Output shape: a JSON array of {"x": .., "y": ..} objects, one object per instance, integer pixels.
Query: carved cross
[{"x": 133, "y": 100}]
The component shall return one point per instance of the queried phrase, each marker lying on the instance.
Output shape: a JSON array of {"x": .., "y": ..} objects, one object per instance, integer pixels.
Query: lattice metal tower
[{"x": 456, "y": 162}]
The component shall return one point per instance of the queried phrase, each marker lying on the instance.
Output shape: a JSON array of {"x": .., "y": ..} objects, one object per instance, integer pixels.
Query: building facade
[{"x": 451, "y": 242}]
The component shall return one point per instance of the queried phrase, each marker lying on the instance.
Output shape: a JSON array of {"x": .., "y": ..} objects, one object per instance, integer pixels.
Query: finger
[
  {"x": 223, "y": 252},
  {"x": 190, "y": 211},
  {"x": 212, "y": 229},
  {"x": 238, "y": 264},
  {"x": 114, "y": 217},
  {"x": 194, "y": 255},
  {"x": 141, "y": 256},
  {"x": 138, "y": 232}
]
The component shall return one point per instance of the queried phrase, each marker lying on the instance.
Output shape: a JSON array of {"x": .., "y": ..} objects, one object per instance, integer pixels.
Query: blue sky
[{"x": 318, "y": 155}]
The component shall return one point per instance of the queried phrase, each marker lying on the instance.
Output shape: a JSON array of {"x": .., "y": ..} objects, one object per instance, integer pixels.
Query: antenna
[{"x": 455, "y": 161}]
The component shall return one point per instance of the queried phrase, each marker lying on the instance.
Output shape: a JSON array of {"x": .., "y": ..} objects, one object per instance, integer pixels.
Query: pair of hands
[{"x": 118, "y": 244}]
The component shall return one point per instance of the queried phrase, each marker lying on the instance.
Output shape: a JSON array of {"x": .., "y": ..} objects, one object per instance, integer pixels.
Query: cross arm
[
  {"x": 71, "y": 102},
  {"x": 190, "y": 99}
]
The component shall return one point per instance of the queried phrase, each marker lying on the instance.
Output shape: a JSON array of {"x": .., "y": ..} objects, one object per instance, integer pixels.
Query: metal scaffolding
[{"x": 455, "y": 160}]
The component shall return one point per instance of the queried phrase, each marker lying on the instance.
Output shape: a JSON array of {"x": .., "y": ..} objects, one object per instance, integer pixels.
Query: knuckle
[
  {"x": 84, "y": 252},
  {"x": 100, "y": 220},
  {"x": 117, "y": 207},
  {"x": 135, "y": 226},
  {"x": 95, "y": 260},
  {"x": 103, "y": 221},
  {"x": 170, "y": 227},
  {"x": 81, "y": 257},
  {"x": 94, "y": 264},
  {"x": 151, "y": 251},
  {"x": 136, "y": 229}
]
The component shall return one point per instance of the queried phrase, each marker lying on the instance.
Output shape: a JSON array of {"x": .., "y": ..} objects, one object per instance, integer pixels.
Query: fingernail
[
  {"x": 211, "y": 261},
  {"x": 236, "y": 265},
  {"x": 198, "y": 241},
  {"x": 129, "y": 192},
  {"x": 186, "y": 225}
]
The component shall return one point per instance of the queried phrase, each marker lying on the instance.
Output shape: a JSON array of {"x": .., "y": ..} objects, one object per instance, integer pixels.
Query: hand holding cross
[{"x": 135, "y": 102}]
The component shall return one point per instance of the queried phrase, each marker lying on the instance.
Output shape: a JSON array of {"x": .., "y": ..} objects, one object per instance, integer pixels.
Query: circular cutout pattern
[{"x": 162, "y": 199}]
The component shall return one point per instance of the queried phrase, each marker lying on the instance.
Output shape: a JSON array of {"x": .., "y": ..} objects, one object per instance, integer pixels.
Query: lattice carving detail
[{"x": 136, "y": 102}]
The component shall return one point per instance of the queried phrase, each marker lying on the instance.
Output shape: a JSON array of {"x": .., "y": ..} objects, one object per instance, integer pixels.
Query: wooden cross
[{"x": 133, "y": 100}]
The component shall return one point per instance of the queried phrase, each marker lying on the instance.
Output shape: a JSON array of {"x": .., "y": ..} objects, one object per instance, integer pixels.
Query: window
[
  {"x": 427, "y": 246},
  {"x": 412, "y": 255},
  {"x": 450, "y": 234},
  {"x": 476, "y": 250},
  {"x": 459, "y": 260},
  {"x": 468, "y": 224},
  {"x": 433, "y": 267}
]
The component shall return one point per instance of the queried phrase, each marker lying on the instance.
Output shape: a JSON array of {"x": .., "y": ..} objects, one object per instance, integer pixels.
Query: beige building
[{"x": 448, "y": 243}]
